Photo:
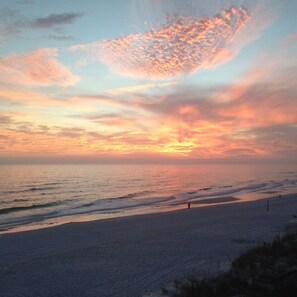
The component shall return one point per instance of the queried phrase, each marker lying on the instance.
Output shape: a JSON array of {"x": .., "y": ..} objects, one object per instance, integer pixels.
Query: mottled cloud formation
[
  {"x": 39, "y": 67},
  {"x": 55, "y": 20},
  {"x": 179, "y": 46}
]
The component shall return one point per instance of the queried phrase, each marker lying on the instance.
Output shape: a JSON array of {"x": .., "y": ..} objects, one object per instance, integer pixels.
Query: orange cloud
[
  {"x": 39, "y": 68},
  {"x": 177, "y": 47},
  {"x": 260, "y": 120}
]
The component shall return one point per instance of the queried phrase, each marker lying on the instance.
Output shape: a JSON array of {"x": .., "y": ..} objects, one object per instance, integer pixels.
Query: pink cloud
[
  {"x": 222, "y": 56},
  {"x": 179, "y": 46},
  {"x": 39, "y": 67},
  {"x": 257, "y": 118},
  {"x": 15, "y": 94}
]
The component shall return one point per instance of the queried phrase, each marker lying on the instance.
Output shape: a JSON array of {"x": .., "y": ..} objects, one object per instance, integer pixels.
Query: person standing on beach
[{"x": 189, "y": 205}]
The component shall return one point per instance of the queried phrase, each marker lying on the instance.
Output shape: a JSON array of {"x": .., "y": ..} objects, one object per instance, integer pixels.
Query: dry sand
[{"x": 134, "y": 255}]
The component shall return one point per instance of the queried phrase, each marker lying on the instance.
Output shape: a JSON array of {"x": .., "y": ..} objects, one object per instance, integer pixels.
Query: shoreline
[
  {"x": 131, "y": 256},
  {"x": 84, "y": 218},
  {"x": 145, "y": 210}
]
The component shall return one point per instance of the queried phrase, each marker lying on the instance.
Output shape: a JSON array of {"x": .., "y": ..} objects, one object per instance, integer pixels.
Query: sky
[{"x": 141, "y": 80}]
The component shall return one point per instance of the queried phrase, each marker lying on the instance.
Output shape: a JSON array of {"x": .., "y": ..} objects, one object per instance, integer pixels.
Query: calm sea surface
[{"x": 43, "y": 195}]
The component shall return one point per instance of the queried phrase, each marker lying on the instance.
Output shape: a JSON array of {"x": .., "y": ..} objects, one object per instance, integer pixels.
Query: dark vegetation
[{"x": 266, "y": 271}]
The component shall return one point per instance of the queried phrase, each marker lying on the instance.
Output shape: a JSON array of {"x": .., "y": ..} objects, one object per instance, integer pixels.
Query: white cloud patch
[{"x": 129, "y": 89}]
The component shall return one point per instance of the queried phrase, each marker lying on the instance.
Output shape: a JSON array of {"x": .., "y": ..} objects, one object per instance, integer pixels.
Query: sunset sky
[{"x": 148, "y": 79}]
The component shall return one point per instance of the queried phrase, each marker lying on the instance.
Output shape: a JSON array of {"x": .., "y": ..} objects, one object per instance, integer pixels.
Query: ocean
[{"x": 40, "y": 196}]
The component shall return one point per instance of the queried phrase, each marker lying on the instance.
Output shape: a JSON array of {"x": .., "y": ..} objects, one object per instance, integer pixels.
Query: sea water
[{"x": 43, "y": 195}]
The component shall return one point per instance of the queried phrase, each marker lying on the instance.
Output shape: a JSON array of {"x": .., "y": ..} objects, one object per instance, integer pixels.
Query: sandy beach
[{"x": 132, "y": 256}]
